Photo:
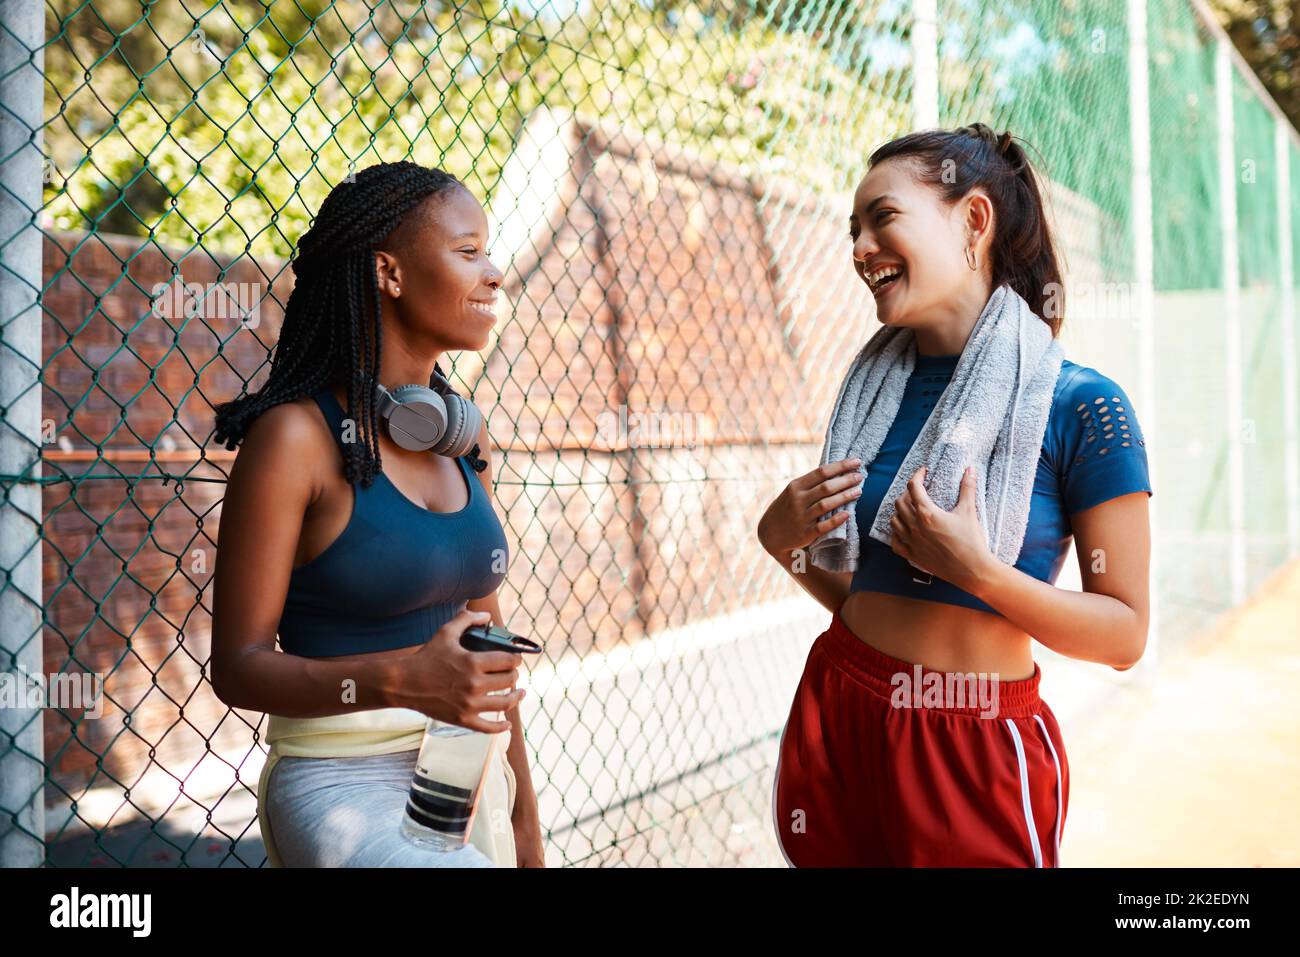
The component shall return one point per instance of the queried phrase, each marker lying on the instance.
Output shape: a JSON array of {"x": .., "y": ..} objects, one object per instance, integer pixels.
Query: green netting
[
  {"x": 1192, "y": 537},
  {"x": 1257, "y": 184},
  {"x": 1263, "y": 429},
  {"x": 1042, "y": 70},
  {"x": 1294, "y": 153},
  {"x": 668, "y": 183},
  {"x": 1188, "y": 239}
]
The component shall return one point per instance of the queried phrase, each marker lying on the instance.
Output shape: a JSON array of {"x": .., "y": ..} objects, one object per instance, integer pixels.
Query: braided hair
[
  {"x": 334, "y": 308},
  {"x": 1023, "y": 252}
]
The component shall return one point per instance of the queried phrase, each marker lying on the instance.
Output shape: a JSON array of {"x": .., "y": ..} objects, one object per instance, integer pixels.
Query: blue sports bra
[
  {"x": 1093, "y": 451},
  {"x": 397, "y": 573}
]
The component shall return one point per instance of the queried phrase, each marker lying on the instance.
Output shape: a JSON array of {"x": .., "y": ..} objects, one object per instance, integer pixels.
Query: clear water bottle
[
  {"x": 445, "y": 787},
  {"x": 453, "y": 762}
]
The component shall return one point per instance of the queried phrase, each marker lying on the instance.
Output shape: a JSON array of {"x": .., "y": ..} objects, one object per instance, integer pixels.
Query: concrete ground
[{"x": 1201, "y": 765}]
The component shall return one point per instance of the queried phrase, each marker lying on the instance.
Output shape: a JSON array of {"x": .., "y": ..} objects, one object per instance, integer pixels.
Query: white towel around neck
[{"x": 992, "y": 415}]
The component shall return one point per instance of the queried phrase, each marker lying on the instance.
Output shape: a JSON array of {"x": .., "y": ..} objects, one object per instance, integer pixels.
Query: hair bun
[{"x": 982, "y": 131}]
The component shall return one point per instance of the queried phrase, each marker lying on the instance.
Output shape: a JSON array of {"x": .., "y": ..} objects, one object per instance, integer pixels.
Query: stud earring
[{"x": 397, "y": 290}]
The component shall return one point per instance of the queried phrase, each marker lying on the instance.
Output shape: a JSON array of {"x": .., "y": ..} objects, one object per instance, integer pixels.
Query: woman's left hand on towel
[{"x": 951, "y": 545}]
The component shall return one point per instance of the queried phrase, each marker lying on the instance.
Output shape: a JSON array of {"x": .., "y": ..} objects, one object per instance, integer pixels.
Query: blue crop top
[
  {"x": 397, "y": 573},
  {"x": 1093, "y": 451}
]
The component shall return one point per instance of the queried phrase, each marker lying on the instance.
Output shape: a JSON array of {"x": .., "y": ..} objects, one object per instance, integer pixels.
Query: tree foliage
[{"x": 227, "y": 126}]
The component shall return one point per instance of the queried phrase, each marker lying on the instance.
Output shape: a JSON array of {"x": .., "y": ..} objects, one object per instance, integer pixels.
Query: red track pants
[{"x": 862, "y": 781}]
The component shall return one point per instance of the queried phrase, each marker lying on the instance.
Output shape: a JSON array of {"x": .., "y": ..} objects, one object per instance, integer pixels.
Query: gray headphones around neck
[{"x": 432, "y": 418}]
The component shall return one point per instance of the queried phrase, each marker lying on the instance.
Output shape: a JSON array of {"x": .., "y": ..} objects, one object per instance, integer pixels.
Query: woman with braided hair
[
  {"x": 367, "y": 556},
  {"x": 917, "y": 736}
]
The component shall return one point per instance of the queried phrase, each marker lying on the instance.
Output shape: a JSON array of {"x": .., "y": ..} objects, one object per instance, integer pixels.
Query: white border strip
[
  {"x": 1060, "y": 795},
  {"x": 1024, "y": 793}
]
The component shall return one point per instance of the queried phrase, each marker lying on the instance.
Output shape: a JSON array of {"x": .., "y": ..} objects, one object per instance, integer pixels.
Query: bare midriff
[{"x": 939, "y": 636}]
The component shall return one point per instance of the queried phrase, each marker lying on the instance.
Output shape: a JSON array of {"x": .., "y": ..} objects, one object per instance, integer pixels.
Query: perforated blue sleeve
[{"x": 1102, "y": 451}]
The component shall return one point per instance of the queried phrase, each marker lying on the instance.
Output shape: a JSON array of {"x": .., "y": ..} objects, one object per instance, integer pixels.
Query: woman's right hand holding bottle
[{"x": 452, "y": 684}]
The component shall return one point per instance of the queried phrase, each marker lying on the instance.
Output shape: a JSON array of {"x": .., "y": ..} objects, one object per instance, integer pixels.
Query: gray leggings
[{"x": 345, "y": 812}]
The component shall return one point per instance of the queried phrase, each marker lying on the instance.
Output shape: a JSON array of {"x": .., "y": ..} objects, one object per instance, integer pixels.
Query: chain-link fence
[{"x": 667, "y": 185}]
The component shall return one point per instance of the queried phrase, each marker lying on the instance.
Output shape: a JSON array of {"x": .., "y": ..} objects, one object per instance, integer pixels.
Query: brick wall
[{"x": 128, "y": 558}]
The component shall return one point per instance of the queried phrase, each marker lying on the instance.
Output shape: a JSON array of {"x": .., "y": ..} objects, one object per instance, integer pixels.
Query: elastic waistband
[
  {"x": 877, "y": 671},
  {"x": 355, "y": 733}
]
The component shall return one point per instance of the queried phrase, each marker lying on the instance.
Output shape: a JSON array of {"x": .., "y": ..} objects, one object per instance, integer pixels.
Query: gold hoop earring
[{"x": 970, "y": 258}]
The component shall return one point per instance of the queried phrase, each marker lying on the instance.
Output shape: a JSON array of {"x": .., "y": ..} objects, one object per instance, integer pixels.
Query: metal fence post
[
  {"x": 925, "y": 64},
  {"x": 1139, "y": 93},
  {"x": 22, "y": 771},
  {"x": 1290, "y": 392},
  {"x": 1231, "y": 321}
]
